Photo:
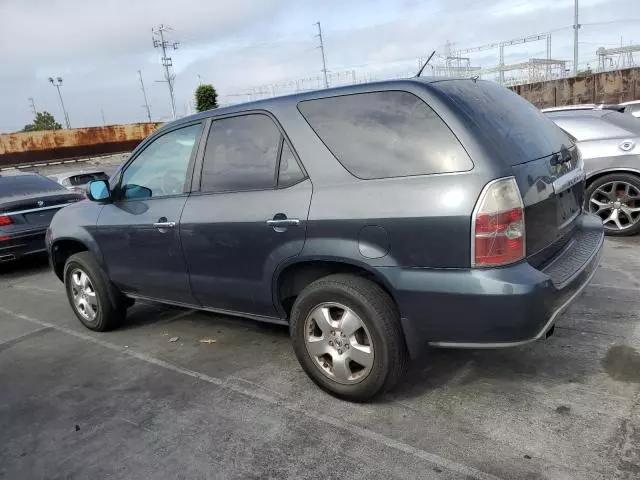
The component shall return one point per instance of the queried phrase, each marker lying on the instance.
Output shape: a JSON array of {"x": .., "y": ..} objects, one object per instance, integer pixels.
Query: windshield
[
  {"x": 505, "y": 118},
  {"x": 26, "y": 184}
]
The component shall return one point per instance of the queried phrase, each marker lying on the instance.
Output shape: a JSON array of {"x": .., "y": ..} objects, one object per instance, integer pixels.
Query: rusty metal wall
[
  {"x": 29, "y": 147},
  {"x": 606, "y": 87}
]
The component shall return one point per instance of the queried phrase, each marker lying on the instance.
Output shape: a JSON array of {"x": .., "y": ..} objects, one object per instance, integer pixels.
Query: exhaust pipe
[{"x": 7, "y": 258}]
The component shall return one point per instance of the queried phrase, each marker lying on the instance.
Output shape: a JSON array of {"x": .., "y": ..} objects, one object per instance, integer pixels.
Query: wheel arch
[
  {"x": 592, "y": 177},
  {"x": 293, "y": 276},
  {"x": 61, "y": 249}
]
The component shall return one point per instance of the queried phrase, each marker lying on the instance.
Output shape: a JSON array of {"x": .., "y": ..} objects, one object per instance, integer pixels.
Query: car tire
[
  {"x": 96, "y": 303},
  {"x": 597, "y": 192},
  {"x": 380, "y": 335}
]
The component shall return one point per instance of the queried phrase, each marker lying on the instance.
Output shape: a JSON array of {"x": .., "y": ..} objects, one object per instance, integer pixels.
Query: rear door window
[
  {"x": 385, "y": 134},
  {"x": 290, "y": 172},
  {"x": 241, "y": 154}
]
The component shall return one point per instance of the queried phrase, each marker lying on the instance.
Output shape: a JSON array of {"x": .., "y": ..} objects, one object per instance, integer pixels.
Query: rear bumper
[
  {"x": 499, "y": 307},
  {"x": 16, "y": 245}
]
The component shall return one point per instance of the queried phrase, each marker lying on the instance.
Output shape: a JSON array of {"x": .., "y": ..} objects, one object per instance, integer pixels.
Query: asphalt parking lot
[{"x": 133, "y": 404}]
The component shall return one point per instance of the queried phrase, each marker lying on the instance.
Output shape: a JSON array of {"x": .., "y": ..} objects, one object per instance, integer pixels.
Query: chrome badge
[{"x": 40, "y": 203}]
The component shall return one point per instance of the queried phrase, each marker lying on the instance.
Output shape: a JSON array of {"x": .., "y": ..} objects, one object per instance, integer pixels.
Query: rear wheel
[
  {"x": 93, "y": 299},
  {"x": 347, "y": 337},
  {"x": 615, "y": 198}
]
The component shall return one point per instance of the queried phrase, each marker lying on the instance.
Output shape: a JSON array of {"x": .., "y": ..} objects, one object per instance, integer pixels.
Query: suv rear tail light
[
  {"x": 498, "y": 236},
  {"x": 5, "y": 220}
]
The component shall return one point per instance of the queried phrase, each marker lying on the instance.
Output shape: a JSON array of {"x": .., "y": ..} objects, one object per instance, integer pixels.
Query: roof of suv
[
  {"x": 297, "y": 97},
  {"x": 585, "y": 106},
  {"x": 576, "y": 113}
]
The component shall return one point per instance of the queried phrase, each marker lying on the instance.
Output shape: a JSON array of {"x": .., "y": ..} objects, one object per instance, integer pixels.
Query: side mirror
[{"x": 98, "y": 191}]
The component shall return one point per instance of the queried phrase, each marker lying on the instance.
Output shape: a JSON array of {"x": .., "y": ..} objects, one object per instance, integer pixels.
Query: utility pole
[
  {"x": 324, "y": 59},
  {"x": 58, "y": 83},
  {"x": 103, "y": 120},
  {"x": 159, "y": 31},
  {"x": 576, "y": 27},
  {"x": 33, "y": 106},
  {"x": 199, "y": 80},
  {"x": 501, "y": 63},
  {"x": 144, "y": 94}
]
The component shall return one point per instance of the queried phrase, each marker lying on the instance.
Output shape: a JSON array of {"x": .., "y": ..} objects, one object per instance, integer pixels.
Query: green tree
[
  {"x": 43, "y": 121},
  {"x": 206, "y": 98}
]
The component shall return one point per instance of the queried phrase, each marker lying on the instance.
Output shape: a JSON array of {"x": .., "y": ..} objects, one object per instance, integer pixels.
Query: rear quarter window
[{"x": 385, "y": 134}]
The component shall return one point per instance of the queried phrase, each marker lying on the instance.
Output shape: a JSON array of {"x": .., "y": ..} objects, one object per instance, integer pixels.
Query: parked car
[
  {"x": 77, "y": 181},
  {"x": 27, "y": 205},
  {"x": 632, "y": 107},
  {"x": 374, "y": 220},
  {"x": 608, "y": 142}
]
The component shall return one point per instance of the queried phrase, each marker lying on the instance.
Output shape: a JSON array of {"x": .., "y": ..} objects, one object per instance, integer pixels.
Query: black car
[
  {"x": 373, "y": 220},
  {"x": 28, "y": 202}
]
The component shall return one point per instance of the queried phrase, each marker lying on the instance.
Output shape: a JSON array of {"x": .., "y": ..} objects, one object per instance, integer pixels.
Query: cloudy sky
[{"x": 244, "y": 46}]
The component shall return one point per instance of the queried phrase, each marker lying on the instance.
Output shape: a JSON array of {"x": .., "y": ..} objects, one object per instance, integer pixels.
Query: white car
[{"x": 632, "y": 107}]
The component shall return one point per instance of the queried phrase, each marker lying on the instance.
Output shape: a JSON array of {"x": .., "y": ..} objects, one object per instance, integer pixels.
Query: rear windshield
[
  {"x": 596, "y": 125},
  {"x": 506, "y": 119},
  {"x": 625, "y": 121},
  {"x": 26, "y": 184},
  {"x": 86, "y": 178}
]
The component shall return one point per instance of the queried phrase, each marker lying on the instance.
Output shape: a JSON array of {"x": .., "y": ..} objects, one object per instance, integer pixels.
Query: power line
[
  {"x": 167, "y": 63},
  {"x": 324, "y": 60},
  {"x": 144, "y": 94}
]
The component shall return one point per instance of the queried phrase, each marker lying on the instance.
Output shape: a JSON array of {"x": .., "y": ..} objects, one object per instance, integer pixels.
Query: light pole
[{"x": 57, "y": 82}]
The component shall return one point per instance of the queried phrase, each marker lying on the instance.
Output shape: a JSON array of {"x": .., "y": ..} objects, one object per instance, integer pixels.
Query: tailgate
[
  {"x": 543, "y": 159},
  {"x": 552, "y": 189}
]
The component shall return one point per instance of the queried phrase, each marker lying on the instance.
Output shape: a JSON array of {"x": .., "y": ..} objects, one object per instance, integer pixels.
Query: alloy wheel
[
  {"x": 617, "y": 203},
  {"x": 339, "y": 343},
  {"x": 83, "y": 293}
]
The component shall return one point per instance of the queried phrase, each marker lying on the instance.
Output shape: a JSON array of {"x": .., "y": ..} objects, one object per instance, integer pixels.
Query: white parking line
[{"x": 398, "y": 445}]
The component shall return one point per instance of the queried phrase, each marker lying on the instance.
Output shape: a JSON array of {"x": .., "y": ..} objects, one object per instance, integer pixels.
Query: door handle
[
  {"x": 162, "y": 225},
  {"x": 284, "y": 222}
]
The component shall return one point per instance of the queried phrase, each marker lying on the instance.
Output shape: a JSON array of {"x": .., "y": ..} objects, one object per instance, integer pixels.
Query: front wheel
[
  {"x": 346, "y": 335},
  {"x": 615, "y": 198},
  {"x": 94, "y": 301}
]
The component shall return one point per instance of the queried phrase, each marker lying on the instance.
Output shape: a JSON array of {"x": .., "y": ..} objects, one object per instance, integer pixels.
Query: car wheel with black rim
[
  {"x": 346, "y": 335},
  {"x": 93, "y": 299},
  {"x": 615, "y": 198}
]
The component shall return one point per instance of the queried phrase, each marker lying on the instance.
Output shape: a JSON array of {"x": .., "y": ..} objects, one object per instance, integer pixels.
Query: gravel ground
[{"x": 132, "y": 404}]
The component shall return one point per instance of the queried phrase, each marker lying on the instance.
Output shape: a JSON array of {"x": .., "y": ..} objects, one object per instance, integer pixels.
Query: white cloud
[{"x": 98, "y": 46}]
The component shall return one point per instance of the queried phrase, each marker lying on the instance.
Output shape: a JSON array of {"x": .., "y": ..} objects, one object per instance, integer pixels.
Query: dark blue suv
[{"x": 373, "y": 220}]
